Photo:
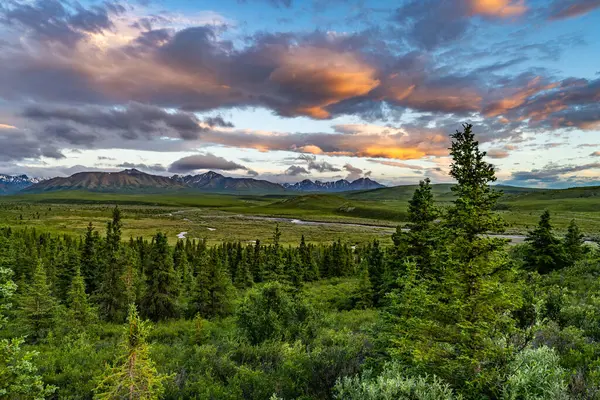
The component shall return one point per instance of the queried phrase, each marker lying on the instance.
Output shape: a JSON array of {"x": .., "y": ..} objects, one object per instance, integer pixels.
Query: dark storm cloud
[
  {"x": 130, "y": 122},
  {"x": 16, "y": 145},
  {"x": 295, "y": 170},
  {"x": 204, "y": 161}
]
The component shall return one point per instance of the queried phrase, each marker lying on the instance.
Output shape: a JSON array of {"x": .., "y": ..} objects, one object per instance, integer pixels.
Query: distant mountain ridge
[
  {"x": 341, "y": 185},
  {"x": 10, "y": 184},
  {"x": 133, "y": 180}
]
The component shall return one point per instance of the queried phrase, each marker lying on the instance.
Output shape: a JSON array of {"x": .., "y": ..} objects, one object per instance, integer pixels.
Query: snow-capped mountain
[
  {"x": 10, "y": 184},
  {"x": 341, "y": 185}
]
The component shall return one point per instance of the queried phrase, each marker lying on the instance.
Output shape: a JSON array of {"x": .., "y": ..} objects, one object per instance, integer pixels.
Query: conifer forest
[{"x": 444, "y": 308}]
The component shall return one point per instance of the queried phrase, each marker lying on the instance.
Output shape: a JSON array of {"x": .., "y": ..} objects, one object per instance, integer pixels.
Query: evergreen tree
[
  {"x": 37, "y": 305},
  {"x": 377, "y": 272},
  {"x": 162, "y": 284},
  {"x": 364, "y": 295},
  {"x": 213, "y": 293},
  {"x": 18, "y": 373},
  {"x": 310, "y": 269},
  {"x": 419, "y": 241},
  {"x": 457, "y": 322},
  {"x": 243, "y": 278},
  {"x": 545, "y": 252},
  {"x": 80, "y": 310},
  {"x": 112, "y": 294},
  {"x": 574, "y": 244},
  {"x": 134, "y": 375},
  {"x": 90, "y": 264}
]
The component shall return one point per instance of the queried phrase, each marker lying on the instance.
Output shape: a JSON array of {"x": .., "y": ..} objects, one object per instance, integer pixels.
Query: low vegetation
[{"x": 440, "y": 310}]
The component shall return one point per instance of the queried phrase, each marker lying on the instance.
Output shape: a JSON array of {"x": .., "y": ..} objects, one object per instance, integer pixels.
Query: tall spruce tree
[
  {"x": 162, "y": 283},
  {"x": 456, "y": 323},
  {"x": 134, "y": 375},
  {"x": 112, "y": 294},
  {"x": 545, "y": 252},
  {"x": 91, "y": 266}
]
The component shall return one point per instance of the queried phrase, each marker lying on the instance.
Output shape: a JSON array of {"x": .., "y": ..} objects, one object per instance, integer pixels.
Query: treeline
[
  {"x": 446, "y": 312},
  {"x": 165, "y": 282}
]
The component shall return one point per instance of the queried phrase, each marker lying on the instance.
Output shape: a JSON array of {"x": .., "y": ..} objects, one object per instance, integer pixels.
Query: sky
[{"x": 287, "y": 90}]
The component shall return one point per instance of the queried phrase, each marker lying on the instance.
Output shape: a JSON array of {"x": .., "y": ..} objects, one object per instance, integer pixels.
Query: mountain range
[
  {"x": 14, "y": 184},
  {"x": 133, "y": 180}
]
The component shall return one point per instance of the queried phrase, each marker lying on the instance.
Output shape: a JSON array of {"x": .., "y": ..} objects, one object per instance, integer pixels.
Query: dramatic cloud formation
[
  {"x": 393, "y": 81},
  {"x": 204, "y": 161}
]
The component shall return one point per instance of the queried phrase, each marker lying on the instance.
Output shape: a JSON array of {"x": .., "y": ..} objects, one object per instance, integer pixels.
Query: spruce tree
[
  {"x": 364, "y": 292},
  {"x": 376, "y": 269},
  {"x": 574, "y": 244},
  {"x": 419, "y": 241},
  {"x": 545, "y": 252},
  {"x": 112, "y": 294},
  {"x": 134, "y": 375},
  {"x": 18, "y": 373},
  {"x": 37, "y": 306},
  {"x": 243, "y": 278},
  {"x": 457, "y": 322},
  {"x": 213, "y": 292},
  {"x": 162, "y": 284},
  {"x": 80, "y": 310},
  {"x": 90, "y": 264}
]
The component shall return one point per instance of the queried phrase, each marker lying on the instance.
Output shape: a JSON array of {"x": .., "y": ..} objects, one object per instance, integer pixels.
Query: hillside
[
  {"x": 212, "y": 181},
  {"x": 129, "y": 180}
]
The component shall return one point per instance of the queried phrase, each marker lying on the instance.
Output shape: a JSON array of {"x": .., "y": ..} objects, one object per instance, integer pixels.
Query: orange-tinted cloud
[
  {"x": 498, "y": 8},
  {"x": 518, "y": 97},
  {"x": 321, "y": 78},
  {"x": 367, "y": 141}
]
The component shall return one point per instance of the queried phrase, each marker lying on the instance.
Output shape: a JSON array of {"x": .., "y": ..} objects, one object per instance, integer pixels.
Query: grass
[{"x": 251, "y": 217}]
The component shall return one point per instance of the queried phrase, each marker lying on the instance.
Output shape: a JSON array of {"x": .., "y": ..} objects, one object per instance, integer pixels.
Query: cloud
[
  {"x": 296, "y": 170},
  {"x": 133, "y": 121},
  {"x": 217, "y": 121},
  {"x": 595, "y": 154},
  {"x": 18, "y": 145},
  {"x": 354, "y": 173},
  {"x": 552, "y": 173},
  {"x": 320, "y": 166},
  {"x": 146, "y": 167},
  {"x": 563, "y": 9},
  {"x": 405, "y": 144},
  {"x": 204, "y": 161},
  {"x": 396, "y": 164},
  {"x": 497, "y": 153}
]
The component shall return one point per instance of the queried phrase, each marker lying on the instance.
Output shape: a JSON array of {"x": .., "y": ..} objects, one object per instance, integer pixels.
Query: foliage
[
  {"x": 392, "y": 384},
  {"x": 272, "y": 312},
  {"x": 133, "y": 375}
]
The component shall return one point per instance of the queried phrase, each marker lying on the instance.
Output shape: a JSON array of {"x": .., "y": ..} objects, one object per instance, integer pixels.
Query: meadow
[{"x": 357, "y": 217}]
